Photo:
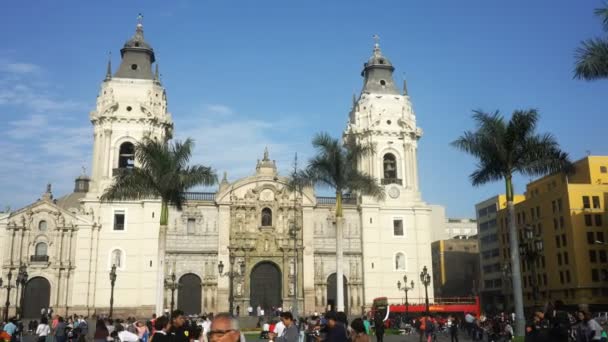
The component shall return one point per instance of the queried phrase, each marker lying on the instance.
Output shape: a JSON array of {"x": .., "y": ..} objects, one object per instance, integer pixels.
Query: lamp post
[
  {"x": 21, "y": 280},
  {"x": 8, "y": 287},
  {"x": 172, "y": 285},
  {"x": 531, "y": 250},
  {"x": 231, "y": 275},
  {"x": 112, "y": 282},
  {"x": 425, "y": 279},
  {"x": 405, "y": 289},
  {"x": 293, "y": 232}
]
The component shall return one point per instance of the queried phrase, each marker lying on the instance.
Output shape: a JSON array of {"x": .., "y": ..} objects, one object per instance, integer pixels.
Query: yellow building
[{"x": 563, "y": 222}]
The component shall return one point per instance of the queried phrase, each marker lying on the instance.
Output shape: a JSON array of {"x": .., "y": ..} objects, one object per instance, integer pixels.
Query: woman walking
[{"x": 43, "y": 330}]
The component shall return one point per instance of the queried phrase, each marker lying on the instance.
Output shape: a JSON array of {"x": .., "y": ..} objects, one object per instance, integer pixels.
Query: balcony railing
[
  {"x": 387, "y": 181},
  {"x": 39, "y": 258},
  {"x": 321, "y": 200},
  {"x": 200, "y": 196}
]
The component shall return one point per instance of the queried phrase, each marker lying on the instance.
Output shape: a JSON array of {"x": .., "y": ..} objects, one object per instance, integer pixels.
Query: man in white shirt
[
  {"x": 126, "y": 336},
  {"x": 206, "y": 325},
  {"x": 278, "y": 328},
  {"x": 250, "y": 310}
]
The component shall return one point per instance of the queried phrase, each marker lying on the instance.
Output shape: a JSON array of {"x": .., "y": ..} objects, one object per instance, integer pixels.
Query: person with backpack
[
  {"x": 379, "y": 324},
  {"x": 430, "y": 328}
]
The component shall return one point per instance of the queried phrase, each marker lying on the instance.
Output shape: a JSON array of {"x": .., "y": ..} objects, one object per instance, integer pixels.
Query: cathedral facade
[{"x": 278, "y": 244}]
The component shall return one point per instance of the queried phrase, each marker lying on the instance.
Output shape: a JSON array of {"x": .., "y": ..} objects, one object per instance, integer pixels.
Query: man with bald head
[{"x": 224, "y": 328}]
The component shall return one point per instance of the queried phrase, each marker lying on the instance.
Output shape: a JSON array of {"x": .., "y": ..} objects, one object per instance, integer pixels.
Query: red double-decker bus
[{"x": 458, "y": 306}]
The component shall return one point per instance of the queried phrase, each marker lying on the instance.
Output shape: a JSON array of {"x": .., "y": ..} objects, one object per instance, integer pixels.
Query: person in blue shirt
[{"x": 10, "y": 327}]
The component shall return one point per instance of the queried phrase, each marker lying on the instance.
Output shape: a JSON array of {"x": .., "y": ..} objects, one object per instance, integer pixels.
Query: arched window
[
  {"x": 126, "y": 156},
  {"x": 116, "y": 258},
  {"x": 266, "y": 217},
  {"x": 400, "y": 261},
  {"x": 390, "y": 166},
  {"x": 41, "y": 249},
  {"x": 42, "y": 225}
]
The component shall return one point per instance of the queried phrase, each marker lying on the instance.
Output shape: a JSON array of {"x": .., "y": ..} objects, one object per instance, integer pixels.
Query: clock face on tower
[{"x": 393, "y": 192}]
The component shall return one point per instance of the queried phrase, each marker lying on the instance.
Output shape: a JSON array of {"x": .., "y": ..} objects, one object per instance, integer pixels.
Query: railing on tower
[
  {"x": 347, "y": 199},
  {"x": 39, "y": 258},
  {"x": 200, "y": 196},
  {"x": 387, "y": 181}
]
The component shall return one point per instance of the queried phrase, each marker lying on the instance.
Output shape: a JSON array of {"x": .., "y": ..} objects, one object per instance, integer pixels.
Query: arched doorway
[
  {"x": 37, "y": 295},
  {"x": 332, "y": 294},
  {"x": 266, "y": 285},
  {"x": 189, "y": 294}
]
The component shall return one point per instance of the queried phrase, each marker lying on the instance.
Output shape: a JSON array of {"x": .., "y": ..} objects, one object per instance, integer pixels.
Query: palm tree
[
  {"x": 161, "y": 171},
  {"x": 335, "y": 166},
  {"x": 503, "y": 149},
  {"x": 592, "y": 55}
]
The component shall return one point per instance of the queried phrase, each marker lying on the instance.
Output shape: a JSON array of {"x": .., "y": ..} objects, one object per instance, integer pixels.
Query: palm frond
[
  {"x": 197, "y": 175},
  {"x": 365, "y": 184},
  {"x": 603, "y": 14},
  {"x": 486, "y": 173},
  {"x": 592, "y": 60},
  {"x": 131, "y": 184}
]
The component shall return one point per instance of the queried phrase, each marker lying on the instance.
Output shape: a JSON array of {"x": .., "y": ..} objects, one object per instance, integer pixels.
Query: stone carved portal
[
  {"x": 189, "y": 294},
  {"x": 37, "y": 296},
  {"x": 266, "y": 286},
  {"x": 332, "y": 293}
]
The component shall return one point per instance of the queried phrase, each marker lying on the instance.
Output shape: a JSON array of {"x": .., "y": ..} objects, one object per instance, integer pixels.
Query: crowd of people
[{"x": 551, "y": 324}]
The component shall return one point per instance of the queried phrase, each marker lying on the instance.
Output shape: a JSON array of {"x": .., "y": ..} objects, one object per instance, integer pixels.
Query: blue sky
[{"x": 273, "y": 73}]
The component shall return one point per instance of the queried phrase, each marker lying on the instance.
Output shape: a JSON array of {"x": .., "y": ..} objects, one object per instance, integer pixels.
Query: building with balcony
[{"x": 562, "y": 220}]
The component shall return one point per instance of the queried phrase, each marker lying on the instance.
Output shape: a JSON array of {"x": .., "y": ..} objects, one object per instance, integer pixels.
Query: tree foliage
[
  {"x": 161, "y": 171},
  {"x": 592, "y": 55},
  {"x": 503, "y": 148},
  {"x": 335, "y": 166}
]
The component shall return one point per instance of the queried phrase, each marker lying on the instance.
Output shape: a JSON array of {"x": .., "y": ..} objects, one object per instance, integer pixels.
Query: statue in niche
[
  {"x": 292, "y": 267},
  {"x": 266, "y": 245},
  {"x": 239, "y": 288},
  {"x": 291, "y": 288},
  {"x": 266, "y": 217}
]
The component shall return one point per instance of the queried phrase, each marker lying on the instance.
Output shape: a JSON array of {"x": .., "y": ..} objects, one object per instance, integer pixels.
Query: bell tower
[
  {"x": 382, "y": 115},
  {"x": 131, "y": 105}
]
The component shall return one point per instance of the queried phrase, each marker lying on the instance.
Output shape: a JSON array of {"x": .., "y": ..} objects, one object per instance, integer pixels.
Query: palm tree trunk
[
  {"x": 162, "y": 243},
  {"x": 339, "y": 254},
  {"x": 518, "y": 300}
]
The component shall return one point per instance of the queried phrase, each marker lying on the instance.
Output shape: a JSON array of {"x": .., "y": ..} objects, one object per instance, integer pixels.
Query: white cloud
[
  {"x": 19, "y": 68},
  {"x": 235, "y": 142},
  {"x": 42, "y": 142}
]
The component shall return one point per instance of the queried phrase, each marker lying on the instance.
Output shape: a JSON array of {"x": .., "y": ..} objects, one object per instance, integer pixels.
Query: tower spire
[
  {"x": 377, "y": 52},
  {"x": 156, "y": 74},
  {"x": 378, "y": 72},
  {"x": 109, "y": 68}
]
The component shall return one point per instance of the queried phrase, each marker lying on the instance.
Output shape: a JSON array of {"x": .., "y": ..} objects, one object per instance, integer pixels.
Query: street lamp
[
  {"x": 293, "y": 232},
  {"x": 231, "y": 275},
  {"x": 21, "y": 280},
  {"x": 172, "y": 285},
  {"x": 405, "y": 289},
  {"x": 112, "y": 282},
  {"x": 531, "y": 249},
  {"x": 425, "y": 279},
  {"x": 8, "y": 287}
]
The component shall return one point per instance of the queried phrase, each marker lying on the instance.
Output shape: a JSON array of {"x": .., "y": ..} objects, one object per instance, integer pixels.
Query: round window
[
  {"x": 129, "y": 108},
  {"x": 388, "y": 122},
  {"x": 133, "y": 66},
  {"x": 382, "y": 83}
]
